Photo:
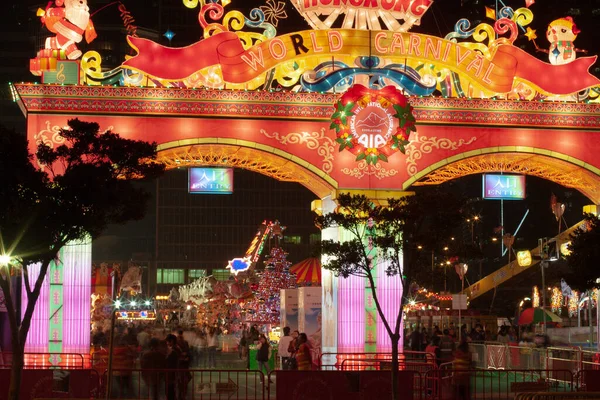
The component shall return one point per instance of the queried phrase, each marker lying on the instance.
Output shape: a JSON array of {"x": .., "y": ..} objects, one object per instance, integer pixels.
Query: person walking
[
  {"x": 284, "y": 347},
  {"x": 184, "y": 376},
  {"x": 293, "y": 346},
  {"x": 172, "y": 362},
  {"x": 415, "y": 340},
  {"x": 151, "y": 361},
  {"x": 433, "y": 349},
  {"x": 202, "y": 346},
  {"x": 462, "y": 375},
  {"x": 303, "y": 357},
  {"x": 213, "y": 344},
  {"x": 263, "y": 355}
]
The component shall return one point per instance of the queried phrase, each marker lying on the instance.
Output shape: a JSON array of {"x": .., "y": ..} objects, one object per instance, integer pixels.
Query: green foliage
[
  {"x": 86, "y": 184},
  {"x": 585, "y": 255},
  {"x": 82, "y": 186},
  {"x": 427, "y": 219}
]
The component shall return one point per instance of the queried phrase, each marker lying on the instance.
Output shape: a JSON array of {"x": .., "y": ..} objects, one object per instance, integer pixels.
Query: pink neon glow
[
  {"x": 37, "y": 339},
  {"x": 351, "y": 315},
  {"x": 389, "y": 293},
  {"x": 77, "y": 261}
]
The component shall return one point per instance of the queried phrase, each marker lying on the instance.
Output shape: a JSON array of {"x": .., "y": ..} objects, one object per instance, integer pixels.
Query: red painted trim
[{"x": 131, "y": 101}]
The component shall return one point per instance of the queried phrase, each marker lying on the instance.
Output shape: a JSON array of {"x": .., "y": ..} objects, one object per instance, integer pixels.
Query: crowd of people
[{"x": 153, "y": 353}]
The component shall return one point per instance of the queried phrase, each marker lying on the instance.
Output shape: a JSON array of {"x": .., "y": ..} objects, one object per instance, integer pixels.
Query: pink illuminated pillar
[
  {"x": 389, "y": 293},
  {"x": 351, "y": 315},
  {"x": 76, "y": 260},
  {"x": 77, "y": 264},
  {"x": 37, "y": 339}
]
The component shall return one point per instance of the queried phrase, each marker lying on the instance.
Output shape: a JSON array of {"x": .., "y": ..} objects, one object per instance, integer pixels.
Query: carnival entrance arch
[
  {"x": 255, "y": 157},
  {"x": 555, "y": 167},
  {"x": 481, "y": 104}
]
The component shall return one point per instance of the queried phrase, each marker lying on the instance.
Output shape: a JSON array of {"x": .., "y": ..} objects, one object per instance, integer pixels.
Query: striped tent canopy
[{"x": 308, "y": 272}]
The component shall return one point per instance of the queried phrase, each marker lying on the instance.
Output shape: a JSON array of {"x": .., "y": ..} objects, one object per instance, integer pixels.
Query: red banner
[
  {"x": 239, "y": 66},
  {"x": 557, "y": 79}
]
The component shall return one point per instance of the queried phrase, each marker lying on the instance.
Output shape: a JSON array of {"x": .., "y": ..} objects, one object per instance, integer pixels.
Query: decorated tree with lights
[{"x": 264, "y": 307}]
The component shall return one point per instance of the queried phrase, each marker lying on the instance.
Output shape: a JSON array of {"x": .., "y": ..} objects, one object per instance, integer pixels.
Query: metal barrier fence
[
  {"x": 420, "y": 385},
  {"x": 335, "y": 361},
  {"x": 48, "y": 360},
  {"x": 557, "y": 396},
  {"x": 53, "y": 383},
  {"x": 190, "y": 384},
  {"x": 477, "y": 384},
  {"x": 501, "y": 356}
]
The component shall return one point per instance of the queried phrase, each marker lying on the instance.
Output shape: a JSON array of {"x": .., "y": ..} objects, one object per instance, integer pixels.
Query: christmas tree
[{"x": 264, "y": 307}]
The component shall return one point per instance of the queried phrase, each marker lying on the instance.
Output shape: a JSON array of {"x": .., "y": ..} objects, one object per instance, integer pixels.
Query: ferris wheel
[{"x": 393, "y": 15}]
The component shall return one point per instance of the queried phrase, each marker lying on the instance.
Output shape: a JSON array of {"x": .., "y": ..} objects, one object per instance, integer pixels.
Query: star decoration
[
  {"x": 169, "y": 34},
  {"x": 238, "y": 265},
  {"x": 530, "y": 34},
  {"x": 274, "y": 11},
  {"x": 277, "y": 230},
  {"x": 529, "y": 3}
]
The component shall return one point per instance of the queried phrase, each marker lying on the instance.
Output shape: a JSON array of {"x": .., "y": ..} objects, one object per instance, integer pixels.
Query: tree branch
[
  {"x": 26, "y": 278},
  {"x": 32, "y": 300},
  {"x": 378, "y": 306},
  {"x": 401, "y": 310},
  {"x": 10, "y": 308}
]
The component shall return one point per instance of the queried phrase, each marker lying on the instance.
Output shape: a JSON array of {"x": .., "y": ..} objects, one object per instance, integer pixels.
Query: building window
[
  {"x": 315, "y": 238},
  {"x": 196, "y": 273},
  {"x": 221, "y": 274},
  {"x": 167, "y": 276},
  {"x": 292, "y": 239}
]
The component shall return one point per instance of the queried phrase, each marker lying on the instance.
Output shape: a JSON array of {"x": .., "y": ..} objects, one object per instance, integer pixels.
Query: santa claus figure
[{"x": 70, "y": 24}]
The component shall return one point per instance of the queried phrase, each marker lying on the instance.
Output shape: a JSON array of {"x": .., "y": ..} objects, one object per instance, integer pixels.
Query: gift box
[
  {"x": 66, "y": 72},
  {"x": 34, "y": 67},
  {"x": 47, "y": 63}
]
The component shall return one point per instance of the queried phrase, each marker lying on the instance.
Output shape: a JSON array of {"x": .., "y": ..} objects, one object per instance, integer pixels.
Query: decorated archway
[
  {"x": 556, "y": 167},
  {"x": 265, "y": 160},
  {"x": 368, "y": 107}
]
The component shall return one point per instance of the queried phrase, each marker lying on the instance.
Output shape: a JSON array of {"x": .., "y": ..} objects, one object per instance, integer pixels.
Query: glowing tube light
[
  {"x": 351, "y": 315},
  {"x": 37, "y": 338},
  {"x": 77, "y": 261},
  {"x": 389, "y": 292}
]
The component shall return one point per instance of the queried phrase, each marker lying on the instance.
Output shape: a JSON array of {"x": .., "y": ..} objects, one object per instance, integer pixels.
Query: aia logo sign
[{"x": 373, "y": 124}]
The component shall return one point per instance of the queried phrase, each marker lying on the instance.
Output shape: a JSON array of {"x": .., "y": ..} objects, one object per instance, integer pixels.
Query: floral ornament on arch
[
  {"x": 373, "y": 124},
  {"x": 274, "y": 11}
]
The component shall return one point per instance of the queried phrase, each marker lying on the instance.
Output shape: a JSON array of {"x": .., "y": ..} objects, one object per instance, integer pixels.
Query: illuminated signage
[
  {"x": 373, "y": 124},
  {"x": 503, "y": 187},
  {"x": 420, "y": 6},
  {"x": 210, "y": 180},
  {"x": 396, "y": 15},
  {"x": 238, "y": 64}
]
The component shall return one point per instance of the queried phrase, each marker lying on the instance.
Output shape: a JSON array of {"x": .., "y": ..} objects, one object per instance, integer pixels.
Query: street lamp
[
  {"x": 473, "y": 221},
  {"x": 5, "y": 259}
]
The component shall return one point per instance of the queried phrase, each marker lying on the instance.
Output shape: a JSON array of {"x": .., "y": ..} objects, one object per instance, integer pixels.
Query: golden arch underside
[
  {"x": 553, "y": 169},
  {"x": 236, "y": 156},
  {"x": 281, "y": 168}
]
